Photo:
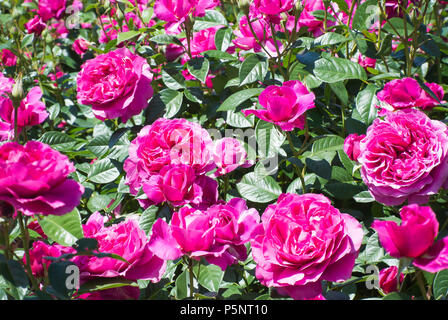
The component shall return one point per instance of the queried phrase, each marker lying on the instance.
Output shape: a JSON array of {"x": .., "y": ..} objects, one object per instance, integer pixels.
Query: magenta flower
[
  {"x": 178, "y": 10},
  {"x": 404, "y": 157},
  {"x": 33, "y": 179},
  {"x": 179, "y": 185},
  {"x": 218, "y": 233},
  {"x": 305, "y": 240},
  {"x": 284, "y": 106},
  {"x": 229, "y": 154},
  {"x": 80, "y": 46},
  {"x": 51, "y": 9},
  {"x": 125, "y": 239},
  {"x": 414, "y": 238},
  {"x": 167, "y": 142},
  {"x": 116, "y": 84},
  {"x": 35, "y": 25},
  {"x": 351, "y": 146},
  {"x": 407, "y": 93},
  {"x": 388, "y": 279},
  {"x": 8, "y": 58},
  {"x": 276, "y": 7}
]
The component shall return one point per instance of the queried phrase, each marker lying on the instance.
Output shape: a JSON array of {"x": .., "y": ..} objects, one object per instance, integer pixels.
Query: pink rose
[
  {"x": 179, "y": 185},
  {"x": 229, "y": 154},
  {"x": 80, "y": 46},
  {"x": 404, "y": 157},
  {"x": 351, "y": 146},
  {"x": 116, "y": 84},
  {"x": 51, "y": 9},
  {"x": 305, "y": 240},
  {"x": 127, "y": 240},
  {"x": 8, "y": 58},
  {"x": 407, "y": 93},
  {"x": 366, "y": 62},
  {"x": 166, "y": 142},
  {"x": 284, "y": 106},
  {"x": 270, "y": 7},
  {"x": 414, "y": 238},
  {"x": 38, "y": 253},
  {"x": 178, "y": 10},
  {"x": 246, "y": 40},
  {"x": 388, "y": 279},
  {"x": 35, "y": 25},
  {"x": 217, "y": 233},
  {"x": 33, "y": 178}
]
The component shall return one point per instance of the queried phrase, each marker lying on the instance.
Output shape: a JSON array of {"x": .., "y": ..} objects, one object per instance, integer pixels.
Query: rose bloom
[
  {"x": 351, "y": 146},
  {"x": 33, "y": 179},
  {"x": 246, "y": 40},
  {"x": 284, "y": 106},
  {"x": 35, "y": 25},
  {"x": 305, "y": 240},
  {"x": 414, "y": 238},
  {"x": 178, "y": 10},
  {"x": 80, "y": 46},
  {"x": 8, "y": 58},
  {"x": 404, "y": 157},
  {"x": 48, "y": 9},
  {"x": 388, "y": 279},
  {"x": 166, "y": 142},
  {"x": 407, "y": 93},
  {"x": 217, "y": 233},
  {"x": 38, "y": 253},
  {"x": 125, "y": 239},
  {"x": 270, "y": 7},
  {"x": 116, "y": 84},
  {"x": 179, "y": 185},
  {"x": 229, "y": 155}
]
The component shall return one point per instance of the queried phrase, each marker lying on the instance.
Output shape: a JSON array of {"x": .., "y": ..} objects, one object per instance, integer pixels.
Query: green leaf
[
  {"x": 366, "y": 102},
  {"x": 58, "y": 140},
  {"x": 340, "y": 91},
  {"x": 397, "y": 296},
  {"x": 328, "y": 143},
  {"x": 364, "y": 197},
  {"x": 254, "y": 68},
  {"x": 333, "y": 69},
  {"x": 99, "y": 145},
  {"x": 198, "y": 68},
  {"x": 259, "y": 190},
  {"x": 210, "y": 276},
  {"x": 104, "y": 284},
  {"x": 232, "y": 102},
  {"x": 173, "y": 79},
  {"x": 13, "y": 272},
  {"x": 27, "y": 40},
  {"x": 181, "y": 288},
  {"x": 373, "y": 252},
  {"x": 440, "y": 285},
  {"x": 238, "y": 120},
  {"x": 65, "y": 229},
  {"x": 58, "y": 276},
  {"x": 330, "y": 38},
  {"x": 366, "y": 15},
  {"x": 171, "y": 101},
  {"x": 223, "y": 38},
  {"x": 98, "y": 202},
  {"x": 148, "y": 218},
  {"x": 215, "y": 54},
  {"x": 269, "y": 139},
  {"x": 103, "y": 171},
  {"x": 211, "y": 18},
  {"x": 397, "y": 27},
  {"x": 165, "y": 39},
  {"x": 124, "y": 36}
]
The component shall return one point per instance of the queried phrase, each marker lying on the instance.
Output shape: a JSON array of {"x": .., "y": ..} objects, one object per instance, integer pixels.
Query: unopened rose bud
[
  {"x": 17, "y": 90},
  {"x": 244, "y": 5}
]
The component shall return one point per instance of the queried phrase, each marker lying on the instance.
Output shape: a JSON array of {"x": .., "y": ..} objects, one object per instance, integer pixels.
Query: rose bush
[{"x": 217, "y": 149}]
